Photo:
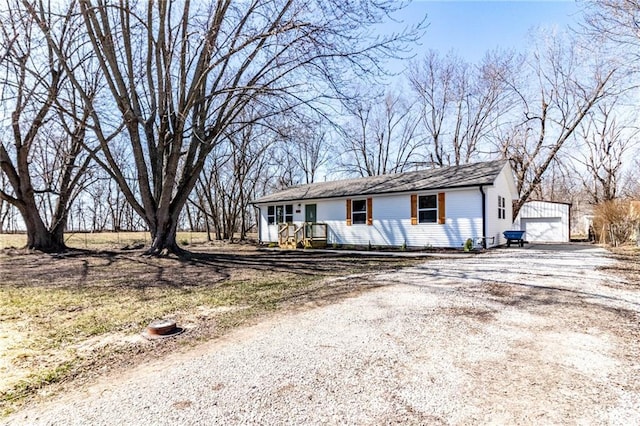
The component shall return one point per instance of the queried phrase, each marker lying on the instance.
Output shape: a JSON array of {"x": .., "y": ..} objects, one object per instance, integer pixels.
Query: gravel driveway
[{"x": 513, "y": 336}]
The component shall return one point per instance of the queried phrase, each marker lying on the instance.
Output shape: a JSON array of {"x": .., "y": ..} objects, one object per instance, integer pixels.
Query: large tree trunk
[
  {"x": 39, "y": 237},
  {"x": 164, "y": 243},
  {"x": 163, "y": 225}
]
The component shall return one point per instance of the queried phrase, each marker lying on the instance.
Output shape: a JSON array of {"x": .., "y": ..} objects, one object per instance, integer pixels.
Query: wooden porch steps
[{"x": 307, "y": 235}]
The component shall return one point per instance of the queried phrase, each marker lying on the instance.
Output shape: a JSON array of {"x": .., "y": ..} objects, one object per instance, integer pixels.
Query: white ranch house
[{"x": 440, "y": 207}]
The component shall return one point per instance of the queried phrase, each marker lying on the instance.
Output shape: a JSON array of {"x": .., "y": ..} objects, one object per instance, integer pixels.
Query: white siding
[
  {"x": 503, "y": 187},
  {"x": 269, "y": 233},
  {"x": 392, "y": 218},
  {"x": 392, "y": 221},
  {"x": 544, "y": 221}
]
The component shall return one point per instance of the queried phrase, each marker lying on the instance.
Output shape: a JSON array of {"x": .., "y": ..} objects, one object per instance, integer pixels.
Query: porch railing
[{"x": 309, "y": 234}]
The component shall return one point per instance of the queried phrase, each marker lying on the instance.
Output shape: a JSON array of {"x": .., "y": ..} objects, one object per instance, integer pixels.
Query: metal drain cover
[{"x": 161, "y": 328}]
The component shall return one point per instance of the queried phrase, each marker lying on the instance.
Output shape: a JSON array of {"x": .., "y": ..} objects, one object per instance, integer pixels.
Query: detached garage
[{"x": 544, "y": 221}]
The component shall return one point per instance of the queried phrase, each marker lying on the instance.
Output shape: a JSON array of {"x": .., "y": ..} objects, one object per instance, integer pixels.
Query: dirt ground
[
  {"x": 67, "y": 319},
  {"x": 544, "y": 335}
]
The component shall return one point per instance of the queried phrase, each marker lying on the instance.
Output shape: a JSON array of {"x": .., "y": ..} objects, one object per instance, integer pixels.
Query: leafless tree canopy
[
  {"x": 556, "y": 91},
  {"x": 618, "y": 22},
  {"x": 182, "y": 73},
  {"x": 42, "y": 137},
  {"x": 605, "y": 141},
  {"x": 138, "y": 114},
  {"x": 380, "y": 136},
  {"x": 461, "y": 105}
]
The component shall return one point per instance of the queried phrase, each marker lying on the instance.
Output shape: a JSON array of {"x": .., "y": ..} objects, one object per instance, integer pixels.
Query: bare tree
[
  {"x": 616, "y": 22},
  {"x": 559, "y": 183},
  {"x": 5, "y": 207},
  {"x": 181, "y": 74},
  {"x": 436, "y": 83},
  {"x": 312, "y": 152},
  {"x": 230, "y": 179},
  {"x": 605, "y": 143},
  {"x": 460, "y": 104},
  {"x": 304, "y": 142},
  {"x": 631, "y": 180},
  {"x": 562, "y": 89},
  {"x": 41, "y": 149},
  {"x": 381, "y": 137}
]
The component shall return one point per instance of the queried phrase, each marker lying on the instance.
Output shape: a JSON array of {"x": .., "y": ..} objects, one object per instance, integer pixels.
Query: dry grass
[
  {"x": 104, "y": 240},
  {"x": 629, "y": 265},
  {"x": 65, "y": 319}
]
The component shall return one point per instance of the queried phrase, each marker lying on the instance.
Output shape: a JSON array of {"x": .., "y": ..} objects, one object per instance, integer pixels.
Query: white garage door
[{"x": 543, "y": 229}]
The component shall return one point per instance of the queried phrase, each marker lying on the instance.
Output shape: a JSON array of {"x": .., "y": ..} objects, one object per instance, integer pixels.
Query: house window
[
  {"x": 359, "y": 212},
  {"x": 271, "y": 215},
  {"x": 280, "y": 214},
  {"x": 502, "y": 211},
  {"x": 428, "y": 209},
  {"x": 288, "y": 213}
]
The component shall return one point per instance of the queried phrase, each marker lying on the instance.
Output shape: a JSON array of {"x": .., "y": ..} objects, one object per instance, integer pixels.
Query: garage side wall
[{"x": 544, "y": 221}]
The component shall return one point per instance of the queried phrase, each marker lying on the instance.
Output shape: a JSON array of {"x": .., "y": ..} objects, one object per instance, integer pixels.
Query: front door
[
  {"x": 310, "y": 213},
  {"x": 309, "y": 217}
]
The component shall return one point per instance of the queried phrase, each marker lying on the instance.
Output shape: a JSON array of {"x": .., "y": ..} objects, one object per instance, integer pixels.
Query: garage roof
[{"x": 466, "y": 175}]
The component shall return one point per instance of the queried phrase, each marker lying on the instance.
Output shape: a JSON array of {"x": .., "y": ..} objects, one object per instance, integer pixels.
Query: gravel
[{"x": 533, "y": 335}]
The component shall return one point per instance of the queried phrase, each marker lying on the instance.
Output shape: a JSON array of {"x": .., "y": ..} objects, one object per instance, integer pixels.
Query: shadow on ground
[{"x": 132, "y": 269}]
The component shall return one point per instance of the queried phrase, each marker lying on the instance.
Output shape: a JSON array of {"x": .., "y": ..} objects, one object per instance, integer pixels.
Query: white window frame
[
  {"x": 355, "y": 212},
  {"x": 280, "y": 213},
  {"x": 502, "y": 210},
  {"x": 428, "y": 209},
  {"x": 271, "y": 215}
]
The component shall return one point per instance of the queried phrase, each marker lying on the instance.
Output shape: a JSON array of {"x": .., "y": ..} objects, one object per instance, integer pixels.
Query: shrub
[
  {"x": 616, "y": 221},
  {"x": 468, "y": 245}
]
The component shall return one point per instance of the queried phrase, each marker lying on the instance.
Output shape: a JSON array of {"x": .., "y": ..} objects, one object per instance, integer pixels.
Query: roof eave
[{"x": 476, "y": 185}]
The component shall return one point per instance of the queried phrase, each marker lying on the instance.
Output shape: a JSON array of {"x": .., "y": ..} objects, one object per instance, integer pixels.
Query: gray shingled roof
[{"x": 432, "y": 179}]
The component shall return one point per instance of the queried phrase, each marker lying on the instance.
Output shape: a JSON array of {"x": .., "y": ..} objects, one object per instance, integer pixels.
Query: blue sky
[{"x": 470, "y": 28}]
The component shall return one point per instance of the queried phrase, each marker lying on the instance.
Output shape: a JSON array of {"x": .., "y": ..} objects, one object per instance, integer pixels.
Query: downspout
[
  {"x": 570, "y": 205},
  {"x": 258, "y": 222},
  {"x": 484, "y": 218}
]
